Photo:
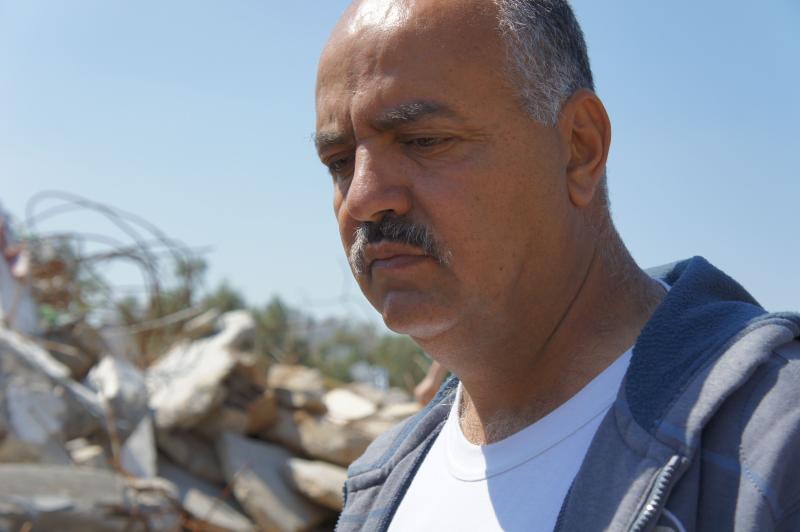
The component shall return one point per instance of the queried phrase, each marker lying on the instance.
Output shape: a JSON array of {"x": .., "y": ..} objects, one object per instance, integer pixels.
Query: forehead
[{"x": 383, "y": 53}]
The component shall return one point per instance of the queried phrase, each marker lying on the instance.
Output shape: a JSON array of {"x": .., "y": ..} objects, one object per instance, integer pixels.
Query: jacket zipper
[{"x": 658, "y": 494}]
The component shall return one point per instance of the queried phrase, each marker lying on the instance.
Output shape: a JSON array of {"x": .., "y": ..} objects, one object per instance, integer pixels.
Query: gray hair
[{"x": 547, "y": 54}]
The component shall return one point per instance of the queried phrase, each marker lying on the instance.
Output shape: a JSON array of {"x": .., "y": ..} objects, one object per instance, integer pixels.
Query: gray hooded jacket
[{"x": 704, "y": 433}]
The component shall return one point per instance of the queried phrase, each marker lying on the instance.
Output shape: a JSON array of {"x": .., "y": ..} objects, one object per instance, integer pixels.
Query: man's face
[{"x": 418, "y": 124}]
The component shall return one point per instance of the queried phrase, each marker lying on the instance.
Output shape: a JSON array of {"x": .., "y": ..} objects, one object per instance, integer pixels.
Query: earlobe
[{"x": 586, "y": 129}]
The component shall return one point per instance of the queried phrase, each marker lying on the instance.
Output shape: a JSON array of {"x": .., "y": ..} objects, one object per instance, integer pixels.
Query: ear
[{"x": 584, "y": 127}]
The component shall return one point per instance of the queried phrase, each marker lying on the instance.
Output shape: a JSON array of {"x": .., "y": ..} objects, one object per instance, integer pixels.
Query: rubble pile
[{"x": 206, "y": 436}]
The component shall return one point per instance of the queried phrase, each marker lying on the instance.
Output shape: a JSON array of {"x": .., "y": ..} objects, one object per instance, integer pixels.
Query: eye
[
  {"x": 340, "y": 167},
  {"x": 426, "y": 142}
]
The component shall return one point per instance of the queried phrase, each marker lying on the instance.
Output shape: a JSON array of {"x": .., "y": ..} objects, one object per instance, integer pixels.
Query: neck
[{"x": 515, "y": 382}]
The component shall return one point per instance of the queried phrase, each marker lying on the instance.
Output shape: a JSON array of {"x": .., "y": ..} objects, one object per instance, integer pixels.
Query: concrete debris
[
  {"x": 205, "y": 502},
  {"x": 20, "y": 355},
  {"x": 94, "y": 455},
  {"x": 344, "y": 406},
  {"x": 186, "y": 383},
  {"x": 255, "y": 470},
  {"x": 191, "y": 452},
  {"x": 76, "y": 345},
  {"x": 138, "y": 453},
  {"x": 319, "y": 481},
  {"x": 317, "y": 437},
  {"x": 121, "y": 386},
  {"x": 50, "y": 497}
]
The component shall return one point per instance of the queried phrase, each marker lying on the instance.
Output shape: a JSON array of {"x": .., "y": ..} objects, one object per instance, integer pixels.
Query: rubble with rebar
[{"x": 169, "y": 423}]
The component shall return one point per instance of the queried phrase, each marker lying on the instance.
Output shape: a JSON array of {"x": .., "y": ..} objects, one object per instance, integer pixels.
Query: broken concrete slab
[
  {"x": 20, "y": 357},
  {"x": 191, "y": 452},
  {"x": 317, "y": 437},
  {"x": 37, "y": 419},
  {"x": 138, "y": 453},
  {"x": 121, "y": 385},
  {"x": 255, "y": 470},
  {"x": 186, "y": 383},
  {"x": 319, "y": 481},
  {"x": 344, "y": 406},
  {"x": 68, "y": 499},
  {"x": 205, "y": 501}
]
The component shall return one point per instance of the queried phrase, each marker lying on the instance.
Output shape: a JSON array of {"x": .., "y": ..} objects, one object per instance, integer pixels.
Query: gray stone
[
  {"x": 69, "y": 499},
  {"x": 319, "y": 481},
  {"x": 204, "y": 501},
  {"x": 192, "y": 453},
  {"x": 138, "y": 453},
  {"x": 256, "y": 471},
  {"x": 25, "y": 364}
]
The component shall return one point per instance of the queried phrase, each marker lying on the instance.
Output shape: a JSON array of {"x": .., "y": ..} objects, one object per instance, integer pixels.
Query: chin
[{"x": 416, "y": 315}]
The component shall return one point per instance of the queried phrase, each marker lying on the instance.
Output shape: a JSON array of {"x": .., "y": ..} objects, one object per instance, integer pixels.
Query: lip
[{"x": 391, "y": 255}]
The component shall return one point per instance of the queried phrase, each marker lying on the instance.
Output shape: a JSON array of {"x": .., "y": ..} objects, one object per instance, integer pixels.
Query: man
[{"x": 467, "y": 149}]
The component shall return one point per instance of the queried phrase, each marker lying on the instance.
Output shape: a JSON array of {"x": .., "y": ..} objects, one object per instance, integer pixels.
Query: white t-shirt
[{"x": 515, "y": 484}]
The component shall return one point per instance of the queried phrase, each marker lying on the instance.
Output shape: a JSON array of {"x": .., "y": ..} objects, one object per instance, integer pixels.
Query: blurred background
[{"x": 157, "y": 156}]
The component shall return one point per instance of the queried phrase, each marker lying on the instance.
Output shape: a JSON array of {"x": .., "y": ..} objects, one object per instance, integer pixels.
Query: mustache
[{"x": 394, "y": 229}]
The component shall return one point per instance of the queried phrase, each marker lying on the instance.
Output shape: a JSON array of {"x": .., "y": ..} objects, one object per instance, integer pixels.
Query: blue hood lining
[{"x": 702, "y": 312}]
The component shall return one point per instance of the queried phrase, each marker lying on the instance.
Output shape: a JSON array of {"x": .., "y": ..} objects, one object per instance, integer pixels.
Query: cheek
[{"x": 339, "y": 214}]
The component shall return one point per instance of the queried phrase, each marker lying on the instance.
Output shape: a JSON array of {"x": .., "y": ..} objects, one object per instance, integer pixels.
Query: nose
[{"x": 377, "y": 187}]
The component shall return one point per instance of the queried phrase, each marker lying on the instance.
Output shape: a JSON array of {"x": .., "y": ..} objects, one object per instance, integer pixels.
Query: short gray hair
[{"x": 547, "y": 54}]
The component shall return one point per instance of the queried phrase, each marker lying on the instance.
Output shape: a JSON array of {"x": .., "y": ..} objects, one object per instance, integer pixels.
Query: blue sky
[{"x": 197, "y": 115}]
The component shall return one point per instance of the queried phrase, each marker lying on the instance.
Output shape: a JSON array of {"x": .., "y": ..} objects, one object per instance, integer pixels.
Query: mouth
[{"x": 392, "y": 256}]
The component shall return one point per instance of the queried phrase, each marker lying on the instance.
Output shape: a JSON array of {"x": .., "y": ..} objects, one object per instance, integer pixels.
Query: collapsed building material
[
  {"x": 186, "y": 383},
  {"x": 321, "y": 482},
  {"x": 298, "y": 387},
  {"x": 344, "y": 406},
  {"x": 40, "y": 406},
  {"x": 317, "y": 437},
  {"x": 206, "y": 503},
  {"x": 255, "y": 471},
  {"x": 121, "y": 386},
  {"x": 69, "y": 499},
  {"x": 192, "y": 452}
]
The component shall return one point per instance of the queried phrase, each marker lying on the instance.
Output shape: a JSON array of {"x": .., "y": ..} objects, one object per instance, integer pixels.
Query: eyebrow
[{"x": 388, "y": 119}]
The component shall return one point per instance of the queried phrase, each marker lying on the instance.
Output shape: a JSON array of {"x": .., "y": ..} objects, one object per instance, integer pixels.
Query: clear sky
[{"x": 197, "y": 115}]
